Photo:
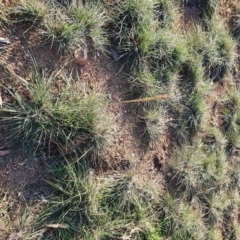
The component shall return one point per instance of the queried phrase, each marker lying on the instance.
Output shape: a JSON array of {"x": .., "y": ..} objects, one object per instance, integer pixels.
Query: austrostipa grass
[
  {"x": 235, "y": 23},
  {"x": 155, "y": 120},
  {"x": 133, "y": 30},
  {"x": 230, "y": 116},
  {"x": 180, "y": 220},
  {"x": 70, "y": 210},
  {"x": 165, "y": 55},
  {"x": 214, "y": 138},
  {"x": 59, "y": 30},
  {"x": 217, "y": 205},
  {"x": 186, "y": 119},
  {"x": 28, "y": 12},
  {"x": 75, "y": 25},
  {"x": 86, "y": 208},
  {"x": 92, "y": 19},
  {"x": 197, "y": 169},
  {"x": 123, "y": 199},
  {"x": 122, "y": 196},
  {"x": 207, "y": 9},
  {"x": 164, "y": 12},
  {"x": 217, "y": 49},
  {"x": 64, "y": 118}
]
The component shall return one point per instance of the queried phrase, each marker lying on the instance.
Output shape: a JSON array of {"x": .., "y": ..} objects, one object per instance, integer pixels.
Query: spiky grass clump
[
  {"x": 3, "y": 16},
  {"x": 60, "y": 118},
  {"x": 230, "y": 116},
  {"x": 191, "y": 75},
  {"x": 75, "y": 25},
  {"x": 134, "y": 30},
  {"x": 236, "y": 24},
  {"x": 198, "y": 108},
  {"x": 70, "y": 209},
  {"x": 214, "y": 138},
  {"x": 89, "y": 208},
  {"x": 217, "y": 49},
  {"x": 155, "y": 121},
  {"x": 187, "y": 117},
  {"x": 180, "y": 221},
  {"x": 166, "y": 55},
  {"x": 60, "y": 31},
  {"x": 123, "y": 199},
  {"x": 197, "y": 170},
  {"x": 164, "y": 11},
  {"x": 217, "y": 206},
  {"x": 92, "y": 19},
  {"x": 144, "y": 84},
  {"x": 208, "y": 8},
  {"x": 28, "y": 11}
]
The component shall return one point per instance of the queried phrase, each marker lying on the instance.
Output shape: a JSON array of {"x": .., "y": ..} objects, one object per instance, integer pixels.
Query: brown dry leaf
[
  {"x": 57, "y": 225},
  {"x": 5, "y": 152}
]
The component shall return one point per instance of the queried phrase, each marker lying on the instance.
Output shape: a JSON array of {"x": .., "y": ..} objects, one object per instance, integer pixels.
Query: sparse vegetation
[{"x": 179, "y": 179}]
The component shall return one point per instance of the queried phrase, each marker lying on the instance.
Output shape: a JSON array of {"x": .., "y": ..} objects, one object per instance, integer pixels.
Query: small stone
[{"x": 80, "y": 56}]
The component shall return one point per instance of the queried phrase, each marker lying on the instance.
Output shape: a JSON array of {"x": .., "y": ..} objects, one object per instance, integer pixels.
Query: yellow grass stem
[{"x": 157, "y": 97}]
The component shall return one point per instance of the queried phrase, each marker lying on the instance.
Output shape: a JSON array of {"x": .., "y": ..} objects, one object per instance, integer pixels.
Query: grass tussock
[
  {"x": 133, "y": 25},
  {"x": 230, "y": 118},
  {"x": 66, "y": 26},
  {"x": 216, "y": 48},
  {"x": 182, "y": 222},
  {"x": 164, "y": 12},
  {"x": 208, "y": 9},
  {"x": 77, "y": 24},
  {"x": 32, "y": 12},
  {"x": 89, "y": 208},
  {"x": 198, "y": 169},
  {"x": 49, "y": 118}
]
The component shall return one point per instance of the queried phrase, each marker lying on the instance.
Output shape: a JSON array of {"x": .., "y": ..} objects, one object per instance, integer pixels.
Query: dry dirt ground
[{"x": 126, "y": 149}]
